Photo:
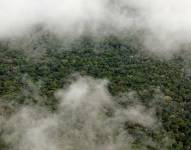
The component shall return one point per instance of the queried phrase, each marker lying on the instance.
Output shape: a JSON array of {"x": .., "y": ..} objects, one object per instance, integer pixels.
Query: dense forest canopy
[{"x": 32, "y": 72}]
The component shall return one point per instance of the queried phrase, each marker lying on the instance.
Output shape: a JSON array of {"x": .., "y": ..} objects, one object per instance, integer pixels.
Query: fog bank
[{"x": 166, "y": 23}]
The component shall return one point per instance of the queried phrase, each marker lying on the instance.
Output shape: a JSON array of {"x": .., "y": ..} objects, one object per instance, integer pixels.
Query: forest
[{"x": 30, "y": 77}]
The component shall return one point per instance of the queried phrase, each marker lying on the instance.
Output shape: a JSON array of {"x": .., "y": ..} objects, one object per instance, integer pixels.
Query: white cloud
[
  {"x": 81, "y": 121},
  {"x": 168, "y": 22}
]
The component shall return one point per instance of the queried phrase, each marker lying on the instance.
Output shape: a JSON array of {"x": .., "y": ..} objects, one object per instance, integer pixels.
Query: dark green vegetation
[{"x": 33, "y": 79}]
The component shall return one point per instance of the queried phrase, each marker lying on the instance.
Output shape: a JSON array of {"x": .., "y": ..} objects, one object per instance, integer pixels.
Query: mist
[
  {"x": 87, "y": 118},
  {"x": 84, "y": 115},
  {"x": 165, "y": 23}
]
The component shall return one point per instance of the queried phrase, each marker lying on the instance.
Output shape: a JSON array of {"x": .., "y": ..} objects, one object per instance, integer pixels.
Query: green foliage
[{"x": 125, "y": 65}]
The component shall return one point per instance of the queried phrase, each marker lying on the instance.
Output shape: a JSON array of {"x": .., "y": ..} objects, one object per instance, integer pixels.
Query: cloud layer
[{"x": 166, "y": 23}]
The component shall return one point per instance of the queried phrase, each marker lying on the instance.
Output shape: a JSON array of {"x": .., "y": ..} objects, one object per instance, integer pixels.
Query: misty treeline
[{"x": 144, "y": 103}]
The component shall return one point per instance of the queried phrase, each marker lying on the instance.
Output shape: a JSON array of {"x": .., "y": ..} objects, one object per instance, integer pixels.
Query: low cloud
[
  {"x": 165, "y": 23},
  {"x": 87, "y": 118}
]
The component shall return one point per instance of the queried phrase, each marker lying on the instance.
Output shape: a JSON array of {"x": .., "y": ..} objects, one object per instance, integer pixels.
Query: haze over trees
[
  {"x": 135, "y": 77},
  {"x": 95, "y": 75}
]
